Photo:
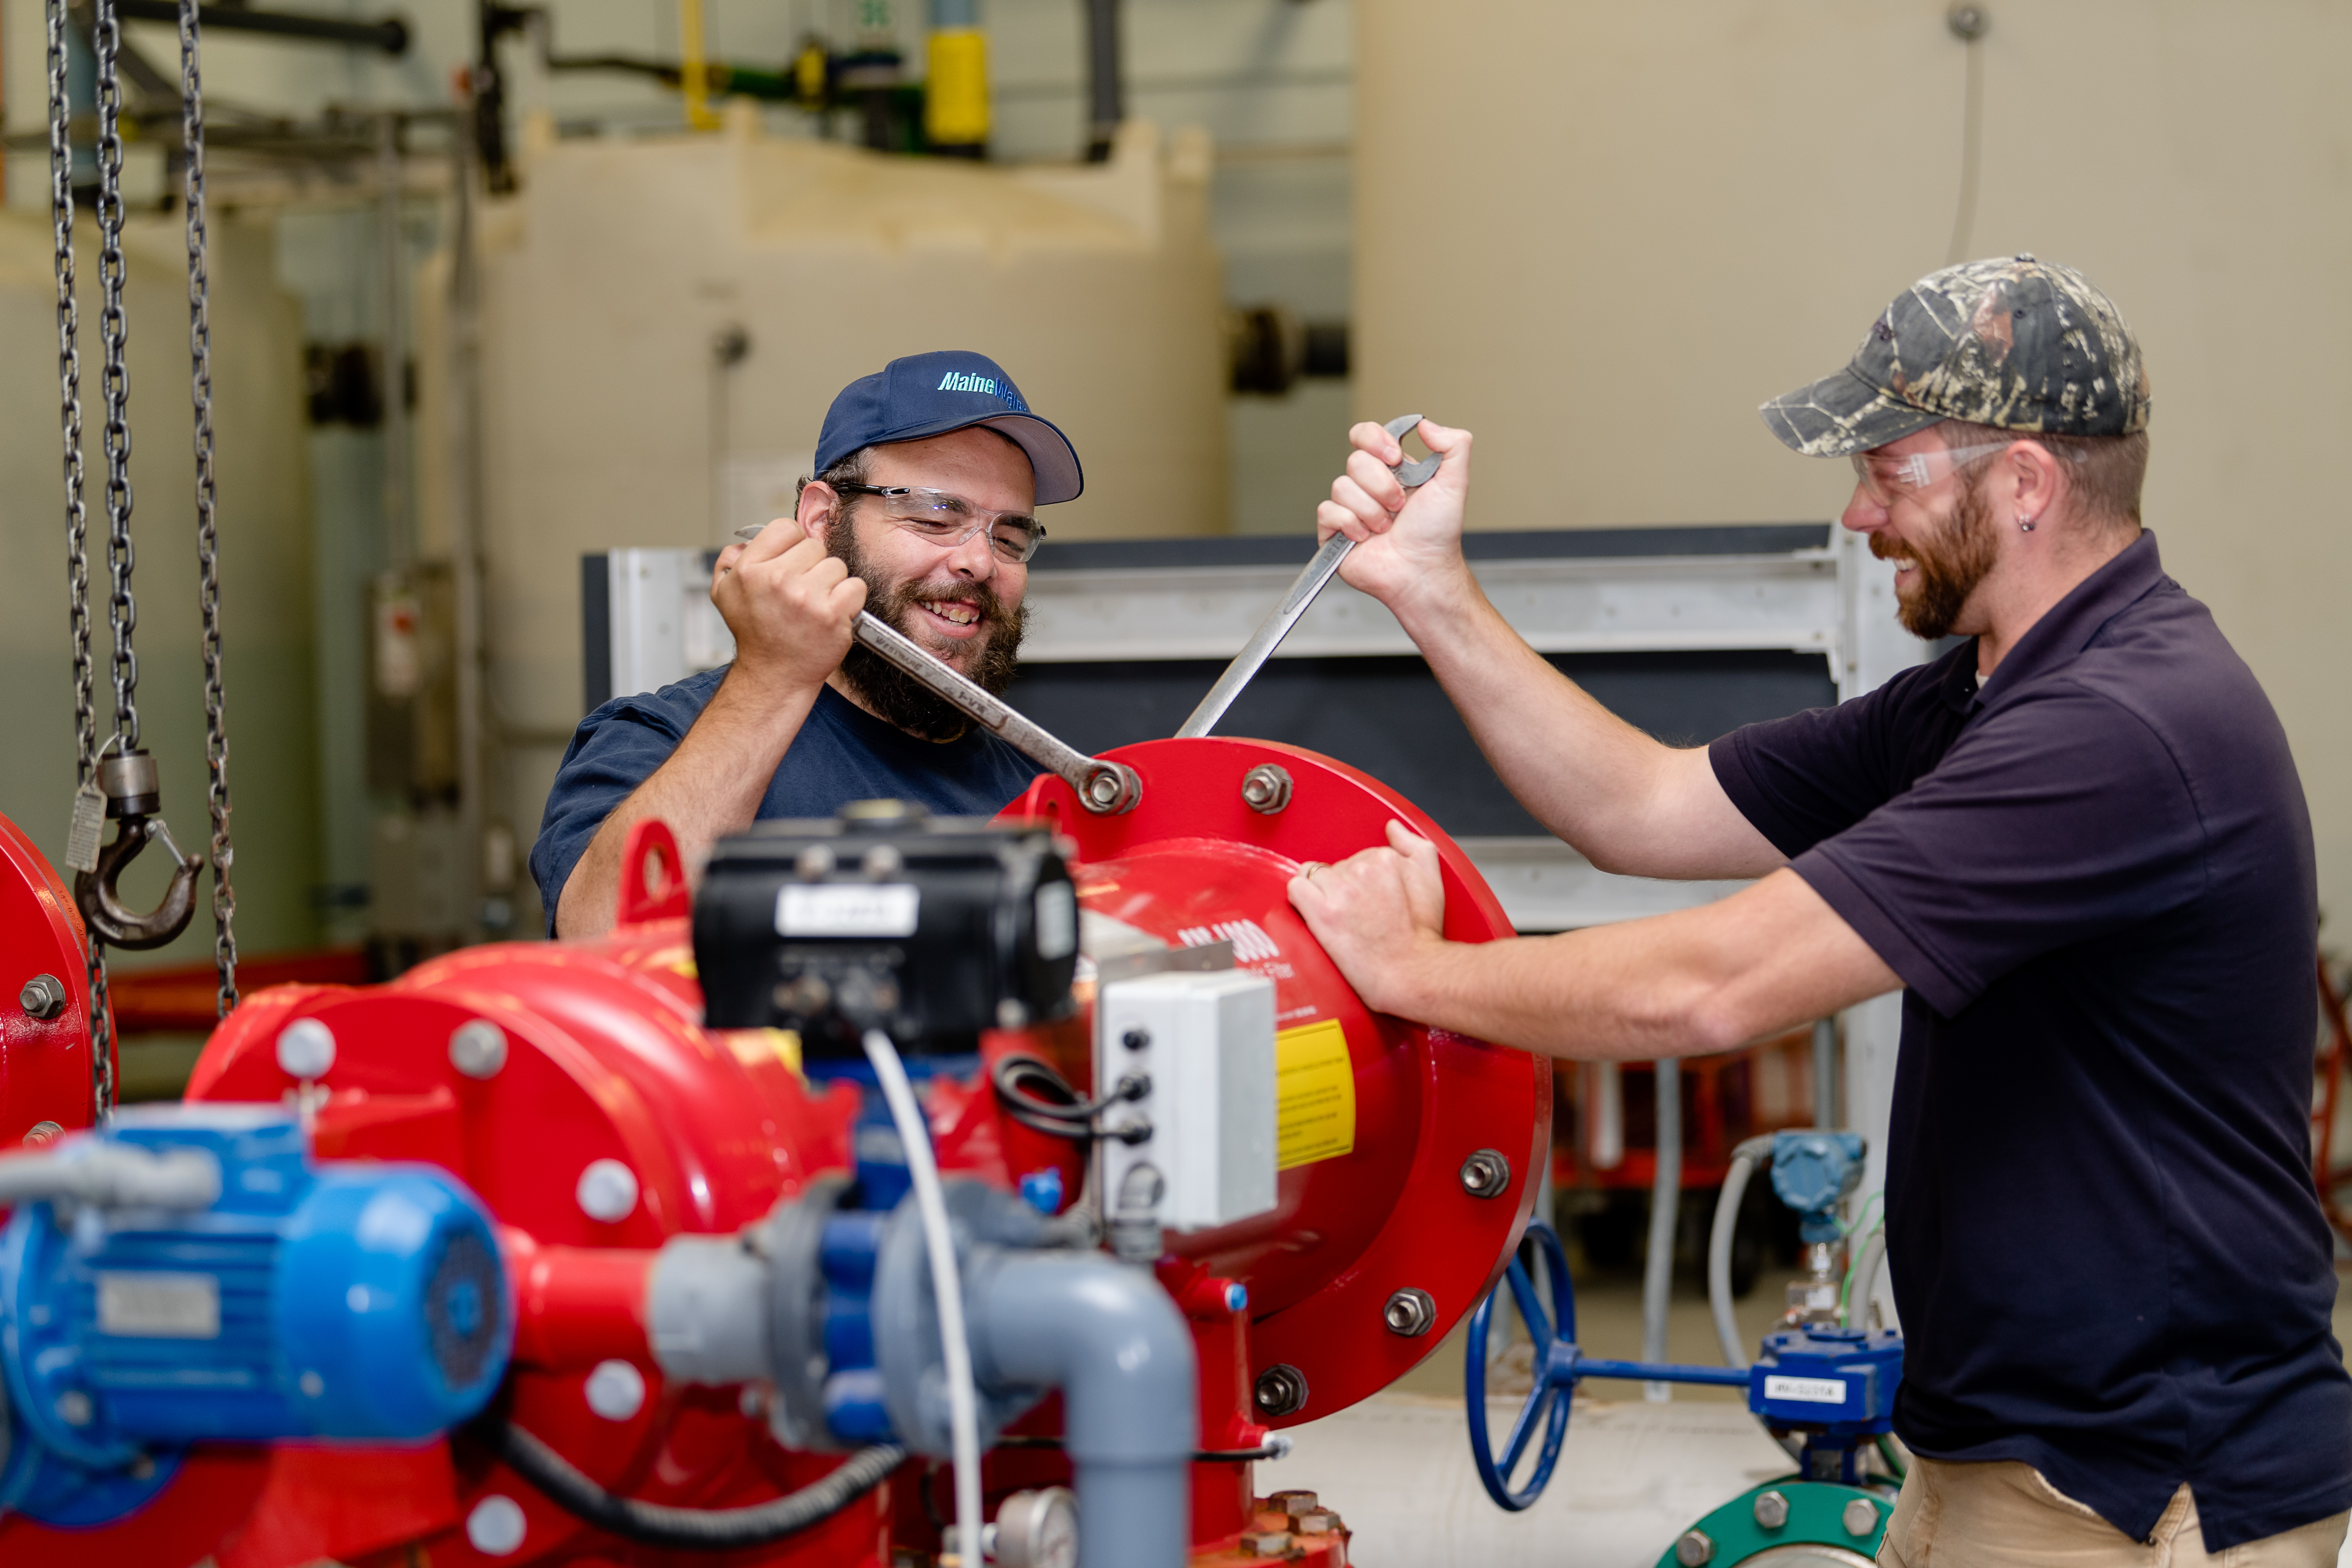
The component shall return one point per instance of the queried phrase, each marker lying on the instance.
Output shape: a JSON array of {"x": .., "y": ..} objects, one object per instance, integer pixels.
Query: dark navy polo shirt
[
  {"x": 842, "y": 753},
  {"x": 2094, "y": 874}
]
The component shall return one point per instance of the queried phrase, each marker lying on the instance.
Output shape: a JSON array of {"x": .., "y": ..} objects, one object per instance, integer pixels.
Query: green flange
[{"x": 1811, "y": 1526}]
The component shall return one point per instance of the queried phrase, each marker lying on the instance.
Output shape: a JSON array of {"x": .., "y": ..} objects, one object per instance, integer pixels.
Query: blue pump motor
[{"x": 345, "y": 1300}]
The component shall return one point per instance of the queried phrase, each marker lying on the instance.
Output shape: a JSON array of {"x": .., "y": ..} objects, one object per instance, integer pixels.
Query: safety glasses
[
  {"x": 947, "y": 520},
  {"x": 1884, "y": 477}
]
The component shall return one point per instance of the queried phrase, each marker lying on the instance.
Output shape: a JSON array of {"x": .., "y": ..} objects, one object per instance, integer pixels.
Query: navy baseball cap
[{"x": 930, "y": 395}]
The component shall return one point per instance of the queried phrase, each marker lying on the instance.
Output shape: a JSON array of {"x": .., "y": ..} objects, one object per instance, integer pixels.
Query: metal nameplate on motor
[
  {"x": 159, "y": 1306},
  {"x": 848, "y": 909}
]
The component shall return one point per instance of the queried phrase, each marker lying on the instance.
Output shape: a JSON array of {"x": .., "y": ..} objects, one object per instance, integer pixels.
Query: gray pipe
[
  {"x": 1744, "y": 1161},
  {"x": 1666, "y": 1208},
  {"x": 1825, "y": 1073},
  {"x": 1106, "y": 84},
  {"x": 1866, "y": 1280},
  {"x": 111, "y": 1174},
  {"x": 1107, "y": 1336}
]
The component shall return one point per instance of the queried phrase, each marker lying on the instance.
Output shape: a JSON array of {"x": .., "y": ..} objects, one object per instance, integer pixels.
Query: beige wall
[{"x": 1600, "y": 235}]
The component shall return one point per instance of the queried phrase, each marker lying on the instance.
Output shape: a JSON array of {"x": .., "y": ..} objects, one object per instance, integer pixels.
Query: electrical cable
[
  {"x": 947, "y": 1289},
  {"x": 1071, "y": 1118},
  {"x": 1894, "y": 1462},
  {"x": 1864, "y": 1267},
  {"x": 1964, "y": 218},
  {"x": 689, "y": 1529}
]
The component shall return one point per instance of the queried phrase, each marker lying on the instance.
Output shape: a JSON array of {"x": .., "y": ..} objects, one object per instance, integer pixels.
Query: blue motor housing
[{"x": 346, "y": 1299}]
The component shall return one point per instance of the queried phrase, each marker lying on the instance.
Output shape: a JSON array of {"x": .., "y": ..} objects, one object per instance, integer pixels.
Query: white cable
[{"x": 947, "y": 1289}]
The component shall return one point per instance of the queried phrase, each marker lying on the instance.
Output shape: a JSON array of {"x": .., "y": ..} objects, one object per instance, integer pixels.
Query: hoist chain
[
  {"x": 114, "y": 378},
  {"x": 200, "y": 356},
  {"x": 77, "y": 514}
]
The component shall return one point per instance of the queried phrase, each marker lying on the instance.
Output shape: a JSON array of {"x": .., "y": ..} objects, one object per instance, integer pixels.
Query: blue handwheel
[{"x": 1555, "y": 1373}]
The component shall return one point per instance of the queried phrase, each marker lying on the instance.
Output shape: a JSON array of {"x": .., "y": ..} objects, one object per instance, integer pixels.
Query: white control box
[{"x": 1204, "y": 1040}]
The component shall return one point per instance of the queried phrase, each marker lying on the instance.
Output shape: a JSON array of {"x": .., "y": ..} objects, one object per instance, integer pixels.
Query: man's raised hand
[
  {"x": 1407, "y": 542},
  {"x": 789, "y": 604}
]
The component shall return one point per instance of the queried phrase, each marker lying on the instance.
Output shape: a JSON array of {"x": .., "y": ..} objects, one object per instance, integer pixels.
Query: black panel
[
  {"x": 596, "y": 632},
  {"x": 1389, "y": 717}
]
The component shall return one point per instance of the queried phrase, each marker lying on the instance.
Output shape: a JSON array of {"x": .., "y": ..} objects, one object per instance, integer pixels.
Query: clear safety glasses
[
  {"x": 1884, "y": 477},
  {"x": 947, "y": 520}
]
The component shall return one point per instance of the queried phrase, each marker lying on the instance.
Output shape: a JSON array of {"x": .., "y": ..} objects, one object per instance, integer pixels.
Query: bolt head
[
  {"x": 478, "y": 1049},
  {"x": 814, "y": 864},
  {"x": 607, "y": 1191},
  {"x": 1694, "y": 1548},
  {"x": 73, "y": 1408},
  {"x": 43, "y": 996},
  {"x": 496, "y": 1526},
  {"x": 1411, "y": 1312},
  {"x": 306, "y": 1050},
  {"x": 1266, "y": 788},
  {"x": 616, "y": 1390},
  {"x": 1771, "y": 1510},
  {"x": 1486, "y": 1174},
  {"x": 1860, "y": 1517},
  {"x": 1281, "y": 1390}
]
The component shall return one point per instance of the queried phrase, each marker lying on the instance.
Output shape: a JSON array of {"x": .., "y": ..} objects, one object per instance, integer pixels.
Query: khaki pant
[{"x": 2006, "y": 1514}]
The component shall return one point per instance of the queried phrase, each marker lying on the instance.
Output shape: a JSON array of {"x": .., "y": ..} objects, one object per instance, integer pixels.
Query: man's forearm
[
  {"x": 1707, "y": 979},
  {"x": 709, "y": 787},
  {"x": 1586, "y": 775}
]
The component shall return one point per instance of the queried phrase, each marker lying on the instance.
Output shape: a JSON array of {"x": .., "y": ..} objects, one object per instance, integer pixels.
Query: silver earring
[{"x": 2025, "y": 525}]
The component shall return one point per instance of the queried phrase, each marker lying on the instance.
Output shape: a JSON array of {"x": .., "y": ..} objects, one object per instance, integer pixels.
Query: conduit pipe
[
  {"x": 1107, "y": 1336},
  {"x": 1665, "y": 1210},
  {"x": 1745, "y": 1159}
]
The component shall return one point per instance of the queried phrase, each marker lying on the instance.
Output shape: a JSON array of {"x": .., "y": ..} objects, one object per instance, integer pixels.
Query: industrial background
[{"x": 511, "y": 299}]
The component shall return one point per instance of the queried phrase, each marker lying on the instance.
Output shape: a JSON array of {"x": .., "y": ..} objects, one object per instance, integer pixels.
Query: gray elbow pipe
[
  {"x": 1111, "y": 1341},
  {"x": 1744, "y": 1161}
]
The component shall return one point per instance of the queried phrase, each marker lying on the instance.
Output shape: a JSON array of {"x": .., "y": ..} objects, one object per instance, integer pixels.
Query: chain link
[
  {"x": 101, "y": 1021},
  {"x": 114, "y": 380},
  {"x": 200, "y": 358}
]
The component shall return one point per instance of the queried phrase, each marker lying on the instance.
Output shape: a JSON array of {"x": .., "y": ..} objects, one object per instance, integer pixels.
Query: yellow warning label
[{"x": 1315, "y": 1095}]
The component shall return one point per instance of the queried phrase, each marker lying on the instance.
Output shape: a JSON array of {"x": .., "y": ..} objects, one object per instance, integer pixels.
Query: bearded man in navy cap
[{"x": 921, "y": 511}]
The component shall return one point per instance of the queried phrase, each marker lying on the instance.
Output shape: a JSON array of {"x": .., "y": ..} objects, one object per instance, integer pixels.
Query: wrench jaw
[
  {"x": 1413, "y": 472},
  {"x": 1111, "y": 789}
]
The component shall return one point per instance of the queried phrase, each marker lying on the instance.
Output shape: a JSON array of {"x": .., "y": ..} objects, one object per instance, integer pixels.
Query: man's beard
[
  {"x": 891, "y": 693},
  {"x": 1950, "y": 566}
]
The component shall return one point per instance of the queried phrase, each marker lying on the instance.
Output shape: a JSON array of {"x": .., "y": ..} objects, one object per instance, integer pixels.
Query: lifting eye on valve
[{"x": 134, "y": 792}]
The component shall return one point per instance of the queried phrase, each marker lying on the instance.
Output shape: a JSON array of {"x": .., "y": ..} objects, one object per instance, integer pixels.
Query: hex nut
[
  {"x": 1266, "y": 1542},
  {"x": 616, "y": 1390},
  {"x": 43, "y": 997},
  {"x": 1266, "y": 788},
  {"x": 1411, "y": 1312},
  {"x": 478, "y": 1049},
  {"x": 496, "y": 1526},
  {"x": 41, "y": 1132},
  {"x": 1860, "y": 1516},
  {"x": 1281, "y": 1390},
  {"x": 1486, "y": 1174},
  {"x": 607, "y": 1191},
  {"x": 306, "y": 1050},
  {"x": 1771, "y": 1510},
  {"x": 1292, "y": 1499},
  {"x": 1694, "y": 1548}
]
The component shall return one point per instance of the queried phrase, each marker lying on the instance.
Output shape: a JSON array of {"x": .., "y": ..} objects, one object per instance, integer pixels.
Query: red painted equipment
[
  {"x": 552, "y": 1077},
  {"x": 45, "y": 1077}
]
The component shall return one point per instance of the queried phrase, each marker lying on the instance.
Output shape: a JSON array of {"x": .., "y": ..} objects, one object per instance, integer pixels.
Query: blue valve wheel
[{"x": 1556, "y": 1374}]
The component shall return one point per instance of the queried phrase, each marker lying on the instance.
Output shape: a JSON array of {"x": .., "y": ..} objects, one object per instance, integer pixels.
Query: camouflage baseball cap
[{"x": 2013, "y": 342}]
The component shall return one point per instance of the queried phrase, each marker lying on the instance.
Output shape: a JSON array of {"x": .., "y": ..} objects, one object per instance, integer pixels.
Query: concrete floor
[{"x": 1631, "y": 1476}]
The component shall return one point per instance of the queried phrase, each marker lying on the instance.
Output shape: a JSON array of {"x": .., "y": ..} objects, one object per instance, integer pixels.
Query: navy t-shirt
[
  {"x": 2094, "y": 874},
  {"x": 842, "y": 753}
]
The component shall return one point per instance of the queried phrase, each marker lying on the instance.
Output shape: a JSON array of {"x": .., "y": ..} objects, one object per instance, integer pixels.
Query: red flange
[
  {"x": 45, "y": 1077},
  {"x": 1374, "y": 1202}
]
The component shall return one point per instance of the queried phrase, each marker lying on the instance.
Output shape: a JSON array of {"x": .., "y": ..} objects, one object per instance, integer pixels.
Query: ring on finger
[{"x": 1308, "y": 870}]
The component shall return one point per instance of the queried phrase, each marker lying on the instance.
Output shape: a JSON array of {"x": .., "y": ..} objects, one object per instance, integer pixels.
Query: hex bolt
[
  {"x": 1694, "y": 1548},
  {"x": 478, "y": 1049},
  {"x": 43, "y": 997},
  {"x": 1266, "y": 788},
  {"x": 616, "y": 1390},
  {"x": 1771, "y": 1510},
  {"x": 814, "y": 864},
  {"x": 496, "y": 1526},
  {"x": 1861, "y": 1517},
  {"x": 1266, "y": 1543},
  {"x": 882, "y": 862},
  {"x": 1411, "y": 1312},
  {"x": 1486, "y": 1175},
  {"x": 306, "y": 1050},
  {"x": 607, "y": 1191},
  {"x": 1281, "y": 1390},
  {"x": 73, "y": 1408},
  {"x": 1292, "y": 1499}
]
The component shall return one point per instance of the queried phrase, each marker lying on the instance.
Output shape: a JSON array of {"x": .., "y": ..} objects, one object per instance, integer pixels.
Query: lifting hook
[{"x": 132, "y": 787}]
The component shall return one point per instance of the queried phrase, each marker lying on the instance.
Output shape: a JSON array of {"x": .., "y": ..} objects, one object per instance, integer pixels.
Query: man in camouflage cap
[{"x": 2076, "y": 841}]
